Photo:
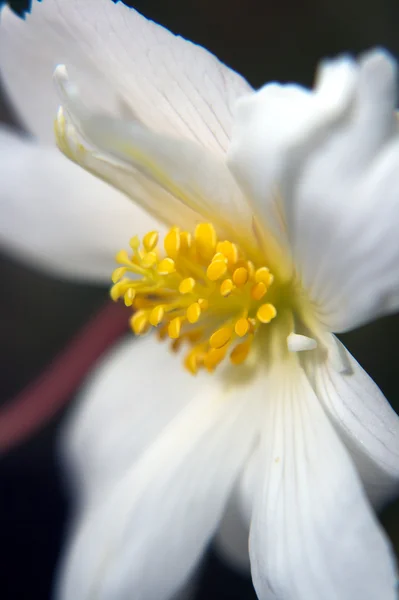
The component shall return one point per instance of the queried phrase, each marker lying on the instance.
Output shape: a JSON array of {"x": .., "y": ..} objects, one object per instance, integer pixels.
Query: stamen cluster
[{"x": 200, "y": 290}]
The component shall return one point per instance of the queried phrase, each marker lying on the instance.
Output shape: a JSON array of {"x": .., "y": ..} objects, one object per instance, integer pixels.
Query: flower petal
[
  {"x": 277, "y": 128},
  {"x": 121, "y": 410},
  {"x": 123, "y": 63},
  {"x": 365, "y": 421},
  {"x": 232, "y": 537},
  {"x": 192, "y": 184},
  {"x": 57, "y": 217},
  {"x": 313, "y": 533},
  {"x": 149, "y": 530},
  {"x": 343, "y": 209}
]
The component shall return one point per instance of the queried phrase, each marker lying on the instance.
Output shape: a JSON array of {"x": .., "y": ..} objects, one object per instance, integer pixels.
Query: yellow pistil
[{"x": 197, "y": 290}]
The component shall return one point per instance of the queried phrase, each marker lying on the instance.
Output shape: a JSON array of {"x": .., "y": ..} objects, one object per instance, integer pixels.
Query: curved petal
[
  {"x": 123, "y": 63},
  {"x": 276, "y": 129},
  {"x": 232, "y": 537},
  {"x": 193, "y": 184},
  {"x": 343, "y": 211},
  {"x": 121, "y": 410},
  {"x": 363, "y": 418},
  {"x": 149, "y": 530},
  {"x": 57, "y": 217},
  {"x": 313, "y": 533}
]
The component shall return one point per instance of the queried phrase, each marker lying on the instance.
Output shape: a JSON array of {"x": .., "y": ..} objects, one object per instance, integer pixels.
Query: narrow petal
[
  {"x": 121, "y": 410},
  {"x": 313, "y": 533},
  {"x": 343, "y": 209},
  {"x": 57, "y": 217},
  {"x": 365, "y": 421},
  {"x": 149, "y": 530},
  {"x": 193, "y": 184},
  {"x": 123, "y": 63},
  {"x": 232, "y": 537},
  {"x": 277, "y": 128}
]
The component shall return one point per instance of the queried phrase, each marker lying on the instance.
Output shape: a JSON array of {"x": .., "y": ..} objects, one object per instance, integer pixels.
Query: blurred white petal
[
  {"x": 123, "y": 63},
  {"x": 313, "y": 533},
  {"x": 121, "y": 410},
  {"x": 277, "y": 128},
  {"x": 148, "y": 532},
  {"x": 363, "y": 418},
  {"x": 193, "y": 184},
  {"x": 344, "y": 213},
  {"x": 57, "y": 217}
]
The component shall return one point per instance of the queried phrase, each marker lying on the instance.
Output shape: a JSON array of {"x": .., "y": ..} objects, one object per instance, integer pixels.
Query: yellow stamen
[
  {"x": 240, "y": 276},
  {"x": 263, "y": 275},
  {"x": 266, "y": 313},
  {"x": 240, "y": 352},
  {"x": 198, "y": 291},
  {"x": 216, "y": 270},
  {"x": 193, "y": 312},
  {"x": 172, "y": 242},
  {"x": 221, "y": 337},
  {"x": 174, "y": 328},
  {"x": 187, "y": 285},
  {"x": 205, "y": 237},
  {"x": 258, "y": 290},
  {"x": 157, "y": 315},
  {"x": 226, "y": 287},
  {"x": 242, "y": 327},
  {"x": 139, "y": 322},
  {"x": 150, "y": 240},
  {"x": 129, "y": 297},
  {"x": 166, "y": 266}
]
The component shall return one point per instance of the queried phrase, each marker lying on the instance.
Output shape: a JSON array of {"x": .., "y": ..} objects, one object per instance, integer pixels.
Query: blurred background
[{"x": 263, "y": 40}]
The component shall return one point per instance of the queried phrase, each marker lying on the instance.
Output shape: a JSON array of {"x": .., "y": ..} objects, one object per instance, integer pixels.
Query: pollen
[{"x": 198, "y": 290}]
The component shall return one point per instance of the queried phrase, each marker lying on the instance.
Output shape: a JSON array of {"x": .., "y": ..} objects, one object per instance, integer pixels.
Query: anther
[
  {"x": 118, "y": 273},
  {"x": 166, "y": 266},
  {"x": 174, "y": 328},
  {"x": 139, "y": 322},
  {"x": 193, "y": 312},
  {"x": 263, "y": 275},
  {"x": 241, "y": 327},
  {"x": 258, "y": 290},
  {"x": 150, "y": 240},
  {"x": 129, "y": 297},
  {"x": 216, "y": 270},
  {"x": 172, "y": 242},
  {"x": 149, "y": 260},
  {"x": 187, "y": 285},
  {"x": 205, "y": 236},
  {"x": 226, "y": 287},
  {"x": 266, "y": 313},
  {"x": 221, "y": 337},
  {"x": 240, "y": 353},
  {"x": 240, "y": 276},
  {"x": 157, "y": 315}
]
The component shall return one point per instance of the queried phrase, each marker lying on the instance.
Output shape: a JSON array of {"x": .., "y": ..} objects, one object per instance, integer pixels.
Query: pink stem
[{"x": 46, "y": 395}]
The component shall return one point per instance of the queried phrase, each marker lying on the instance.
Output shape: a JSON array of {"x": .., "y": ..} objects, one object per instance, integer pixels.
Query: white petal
[
  {"x": 57, "y": 217},
  {"x": 343, "y": 208},
  {"x": 313, "y": 533},
  {"x": 123, "y": 63},
  {"x": 275, "y": 130},
  {"x": 148, "y": 532},
  {"x": 193, "y": 184},
  {"x": 232, "y": 538},
  {"x": 365, "y": 421},
  {"x": 120, "y": 411}
]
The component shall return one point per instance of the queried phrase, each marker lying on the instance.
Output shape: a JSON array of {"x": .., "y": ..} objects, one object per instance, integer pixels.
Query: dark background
[{"x": 264, "y": 40}]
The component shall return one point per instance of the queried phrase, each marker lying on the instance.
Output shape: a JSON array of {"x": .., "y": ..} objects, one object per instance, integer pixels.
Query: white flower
[{"x": 295, "y": 443}]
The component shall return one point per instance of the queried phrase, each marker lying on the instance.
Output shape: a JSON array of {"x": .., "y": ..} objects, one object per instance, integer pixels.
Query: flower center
[{"x": 200, "y": 290}]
